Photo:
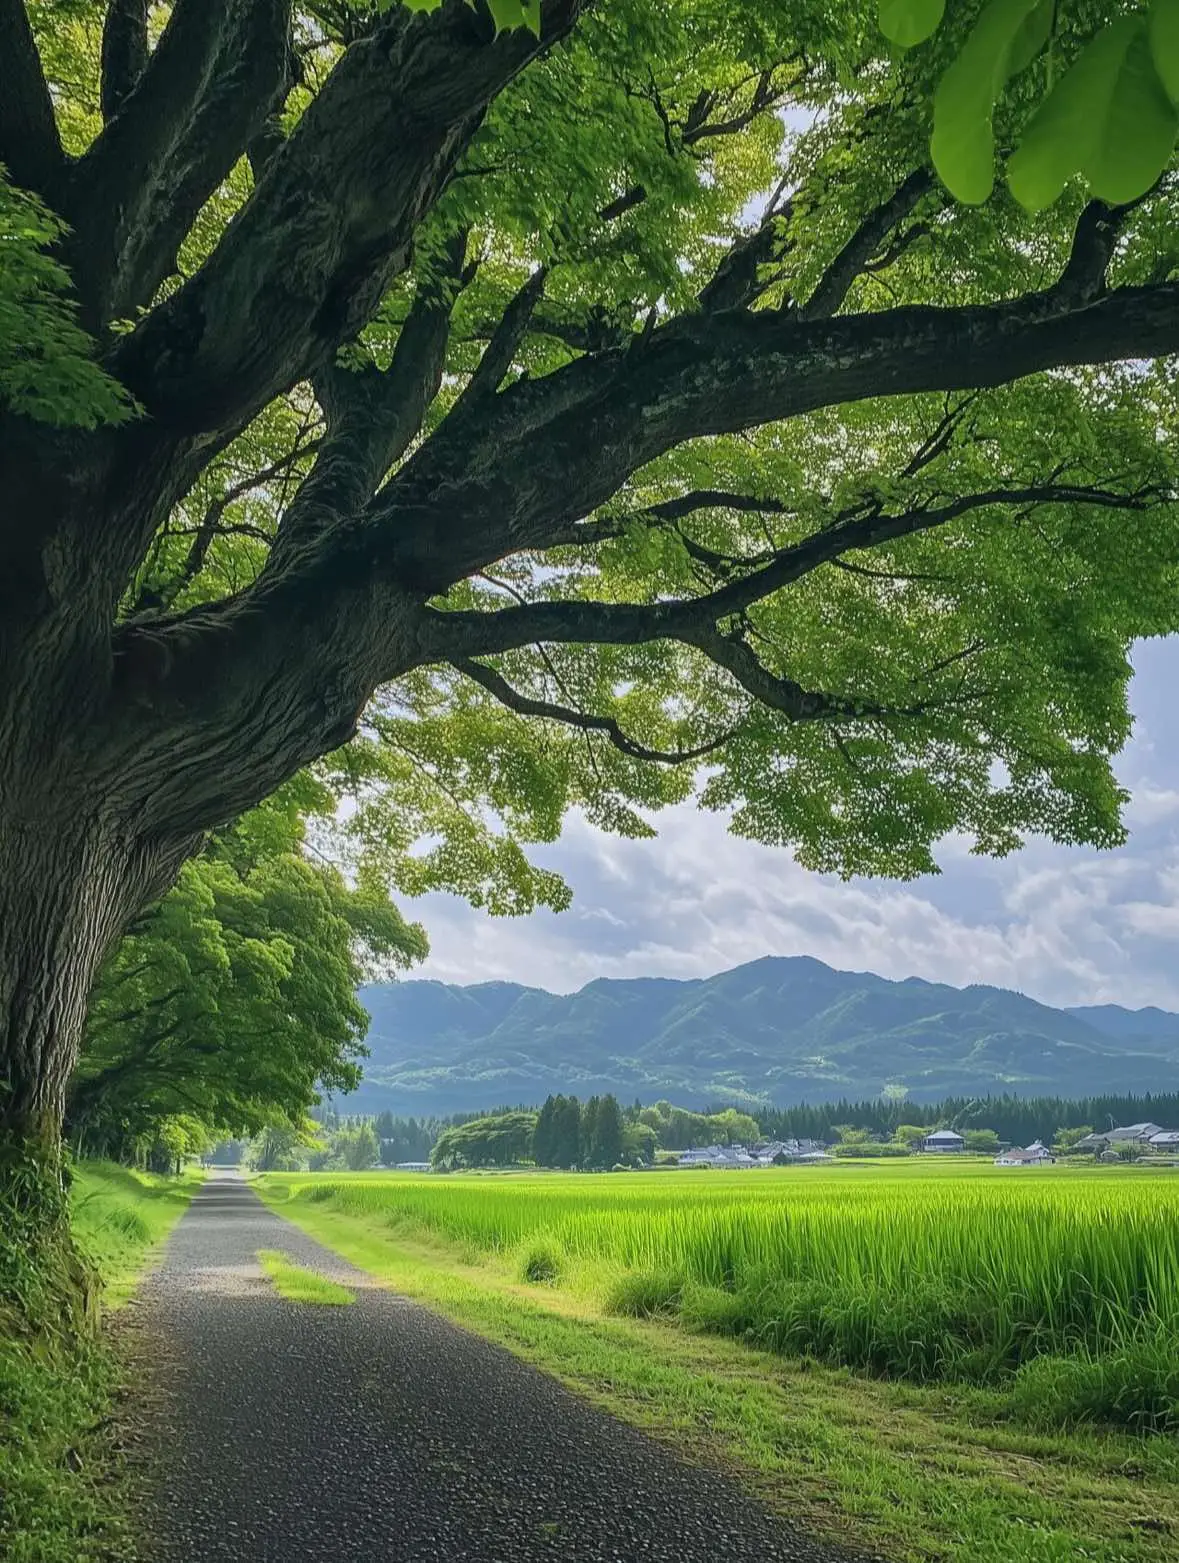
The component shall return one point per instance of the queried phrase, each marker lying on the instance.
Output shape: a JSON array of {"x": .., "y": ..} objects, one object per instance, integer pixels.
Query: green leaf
[
  {"x": 1138, "y": 133},
  {"x": 1164, "y": 43},
  {"x": 909, "y": 22},
  {"x": 507, "y": 14},
  {"x": 1033, "y": 34},
  {"x": 963, "y": 144},
  {"x": 1070, "y": 131}
]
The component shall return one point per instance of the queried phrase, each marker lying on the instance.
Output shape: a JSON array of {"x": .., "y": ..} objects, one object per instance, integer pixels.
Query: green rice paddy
[{"x": 1062, "y": 1282}]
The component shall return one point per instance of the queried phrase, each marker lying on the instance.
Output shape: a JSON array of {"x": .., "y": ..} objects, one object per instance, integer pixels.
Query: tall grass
[
  {"x": 60, "y": 1496},
  {"x": 922, "y": 1272}
]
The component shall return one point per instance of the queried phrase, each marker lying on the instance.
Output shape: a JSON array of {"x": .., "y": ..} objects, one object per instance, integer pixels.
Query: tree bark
[{"x": 68, "y": 885}]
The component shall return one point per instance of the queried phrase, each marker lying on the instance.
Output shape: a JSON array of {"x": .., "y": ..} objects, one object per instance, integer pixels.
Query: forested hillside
[{"x": 785, "y": 1030}]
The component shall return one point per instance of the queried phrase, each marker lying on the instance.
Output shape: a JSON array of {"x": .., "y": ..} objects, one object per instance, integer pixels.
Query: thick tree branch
[
  {"x": 836, "y": 282},
  {"x": 124, "y": 52},
  {"x": 345, "y": 195},
  {"x": 1094, "y": 242},
  {"x": 584, "y": 429},
  {"x": 459, "y": 504},
  {"x": 219, "y": 71},
  {"x": 739, "y": 281},
  {"x": 780, "y": 694},
  {"x": 373, "y": 415},
  {"x": 30, "y": 147},
  {"x": 711, "y": 499},
  {"x": 524, "y": 705},
  {"x": 505, "y": 341},
  {"x": 466, "y": 634}
]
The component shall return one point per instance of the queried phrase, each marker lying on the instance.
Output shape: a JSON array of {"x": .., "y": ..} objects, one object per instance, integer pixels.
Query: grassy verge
[
  {"x": 59, "y": 1491},
  {"x": 919, "y": 1472},
  {"x": 296, "y": 1284}
]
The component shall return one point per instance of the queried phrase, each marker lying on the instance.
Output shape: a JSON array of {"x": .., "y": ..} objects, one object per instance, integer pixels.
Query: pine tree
[
  {"x": 589, "y": 1132},
  {"x": 544, "y": 1138},
  {"x": 567, "y": 1132},
  {"x": 607, "y": 1141}
]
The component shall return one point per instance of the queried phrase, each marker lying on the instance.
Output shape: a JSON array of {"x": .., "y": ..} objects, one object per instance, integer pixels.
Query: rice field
[{"x": 1063, "y": 1281}]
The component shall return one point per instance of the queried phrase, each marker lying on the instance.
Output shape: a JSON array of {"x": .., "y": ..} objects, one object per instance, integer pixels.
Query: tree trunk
[{"x": 68, "y": 885}]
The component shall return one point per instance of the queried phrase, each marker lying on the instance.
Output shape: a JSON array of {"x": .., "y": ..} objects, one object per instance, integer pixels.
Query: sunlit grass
[
  {"x": 296, "y": 1284},
  {"x": 119, "y": 1217}
]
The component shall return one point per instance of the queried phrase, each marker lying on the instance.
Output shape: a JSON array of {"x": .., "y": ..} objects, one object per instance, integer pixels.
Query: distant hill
[{"x": 782, "y": 1030}]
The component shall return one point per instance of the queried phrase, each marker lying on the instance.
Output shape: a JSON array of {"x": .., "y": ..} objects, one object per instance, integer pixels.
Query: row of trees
[
  {"x": 600, "y": 1133},
  {"x": 232, "y": 1002},
  {"x": 1017, "y": 1120},
  {"x": 594, "y": 1135}
]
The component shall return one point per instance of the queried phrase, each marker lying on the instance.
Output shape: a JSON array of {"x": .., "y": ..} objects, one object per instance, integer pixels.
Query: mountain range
[{"x": 781, "y": 1030}]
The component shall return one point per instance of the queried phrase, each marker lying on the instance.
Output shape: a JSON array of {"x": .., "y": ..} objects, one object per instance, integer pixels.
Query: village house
[
  {"x": 943, "y": 1140},
  {"x": 777, "y": 1153},
  {"x": 1036, "y": 1155},
  {"x": 1121, "y": 1139}
]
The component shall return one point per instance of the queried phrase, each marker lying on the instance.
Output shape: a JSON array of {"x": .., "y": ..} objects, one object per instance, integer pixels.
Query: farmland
[
  {"x": 1061, "y": 1285},
  {"x": 943, "y": 1362}
]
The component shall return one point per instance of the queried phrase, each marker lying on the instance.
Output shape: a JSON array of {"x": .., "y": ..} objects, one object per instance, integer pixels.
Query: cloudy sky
[{"x": 1067, "y": 926}]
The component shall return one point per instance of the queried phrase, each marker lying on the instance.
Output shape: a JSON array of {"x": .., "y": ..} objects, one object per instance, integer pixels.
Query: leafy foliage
[
  {"x": 514, "y": 460},
  {"x": 499, "y": 1141},
  {"x": 233, "y": 1000},
  {"x": 48, "y": 365}
]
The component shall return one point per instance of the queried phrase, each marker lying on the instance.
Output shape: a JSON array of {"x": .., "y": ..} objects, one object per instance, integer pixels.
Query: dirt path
[{"x": 381, "y": 1432}]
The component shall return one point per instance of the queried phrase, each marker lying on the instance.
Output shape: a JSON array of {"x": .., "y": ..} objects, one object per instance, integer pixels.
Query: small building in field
[
  {"x": 943, "y": 1140},
  {"x": 1035, "y": 1155},
  {"x": 1168, "y": 1140},
  {"x": 1133, "y": 1133}
]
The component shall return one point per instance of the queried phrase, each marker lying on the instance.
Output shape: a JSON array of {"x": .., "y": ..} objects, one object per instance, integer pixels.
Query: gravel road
[{"x": 380, "y": 1432}]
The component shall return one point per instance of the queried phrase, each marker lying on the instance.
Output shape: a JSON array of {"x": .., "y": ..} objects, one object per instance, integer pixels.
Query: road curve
[{"x": 380, "y": 1432}]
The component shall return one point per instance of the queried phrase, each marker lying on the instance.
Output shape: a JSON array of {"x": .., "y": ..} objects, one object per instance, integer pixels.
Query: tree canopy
[
  {"x": 232, "y": 1002},
  {"x": 594, "y": 412}
]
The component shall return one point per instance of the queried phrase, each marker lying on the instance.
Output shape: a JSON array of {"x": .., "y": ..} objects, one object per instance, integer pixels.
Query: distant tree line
[
  {"x": 1016, "y": 1119},
  {"x": 679, "y": 1129},
  {"x": 598, "y": 1134}
]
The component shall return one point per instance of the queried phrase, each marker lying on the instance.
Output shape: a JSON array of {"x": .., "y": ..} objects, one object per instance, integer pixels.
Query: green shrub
[
  {"x": 541, "y": 1260},
  {"x": 1135, "y": 1386},
  {"x": 645, "y": 1294}
]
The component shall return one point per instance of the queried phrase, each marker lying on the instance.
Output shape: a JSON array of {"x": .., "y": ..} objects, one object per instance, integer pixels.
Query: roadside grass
[
  {"x": 925, "y": 1473},
  {"x": 60, "y": 1494},
  {"x": 299, "y": 1285},
  {"x": 119, "y": 1217}
]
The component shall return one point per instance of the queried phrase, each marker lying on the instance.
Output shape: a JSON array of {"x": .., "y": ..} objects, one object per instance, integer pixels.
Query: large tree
[{"x": 578, "y": 404}]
